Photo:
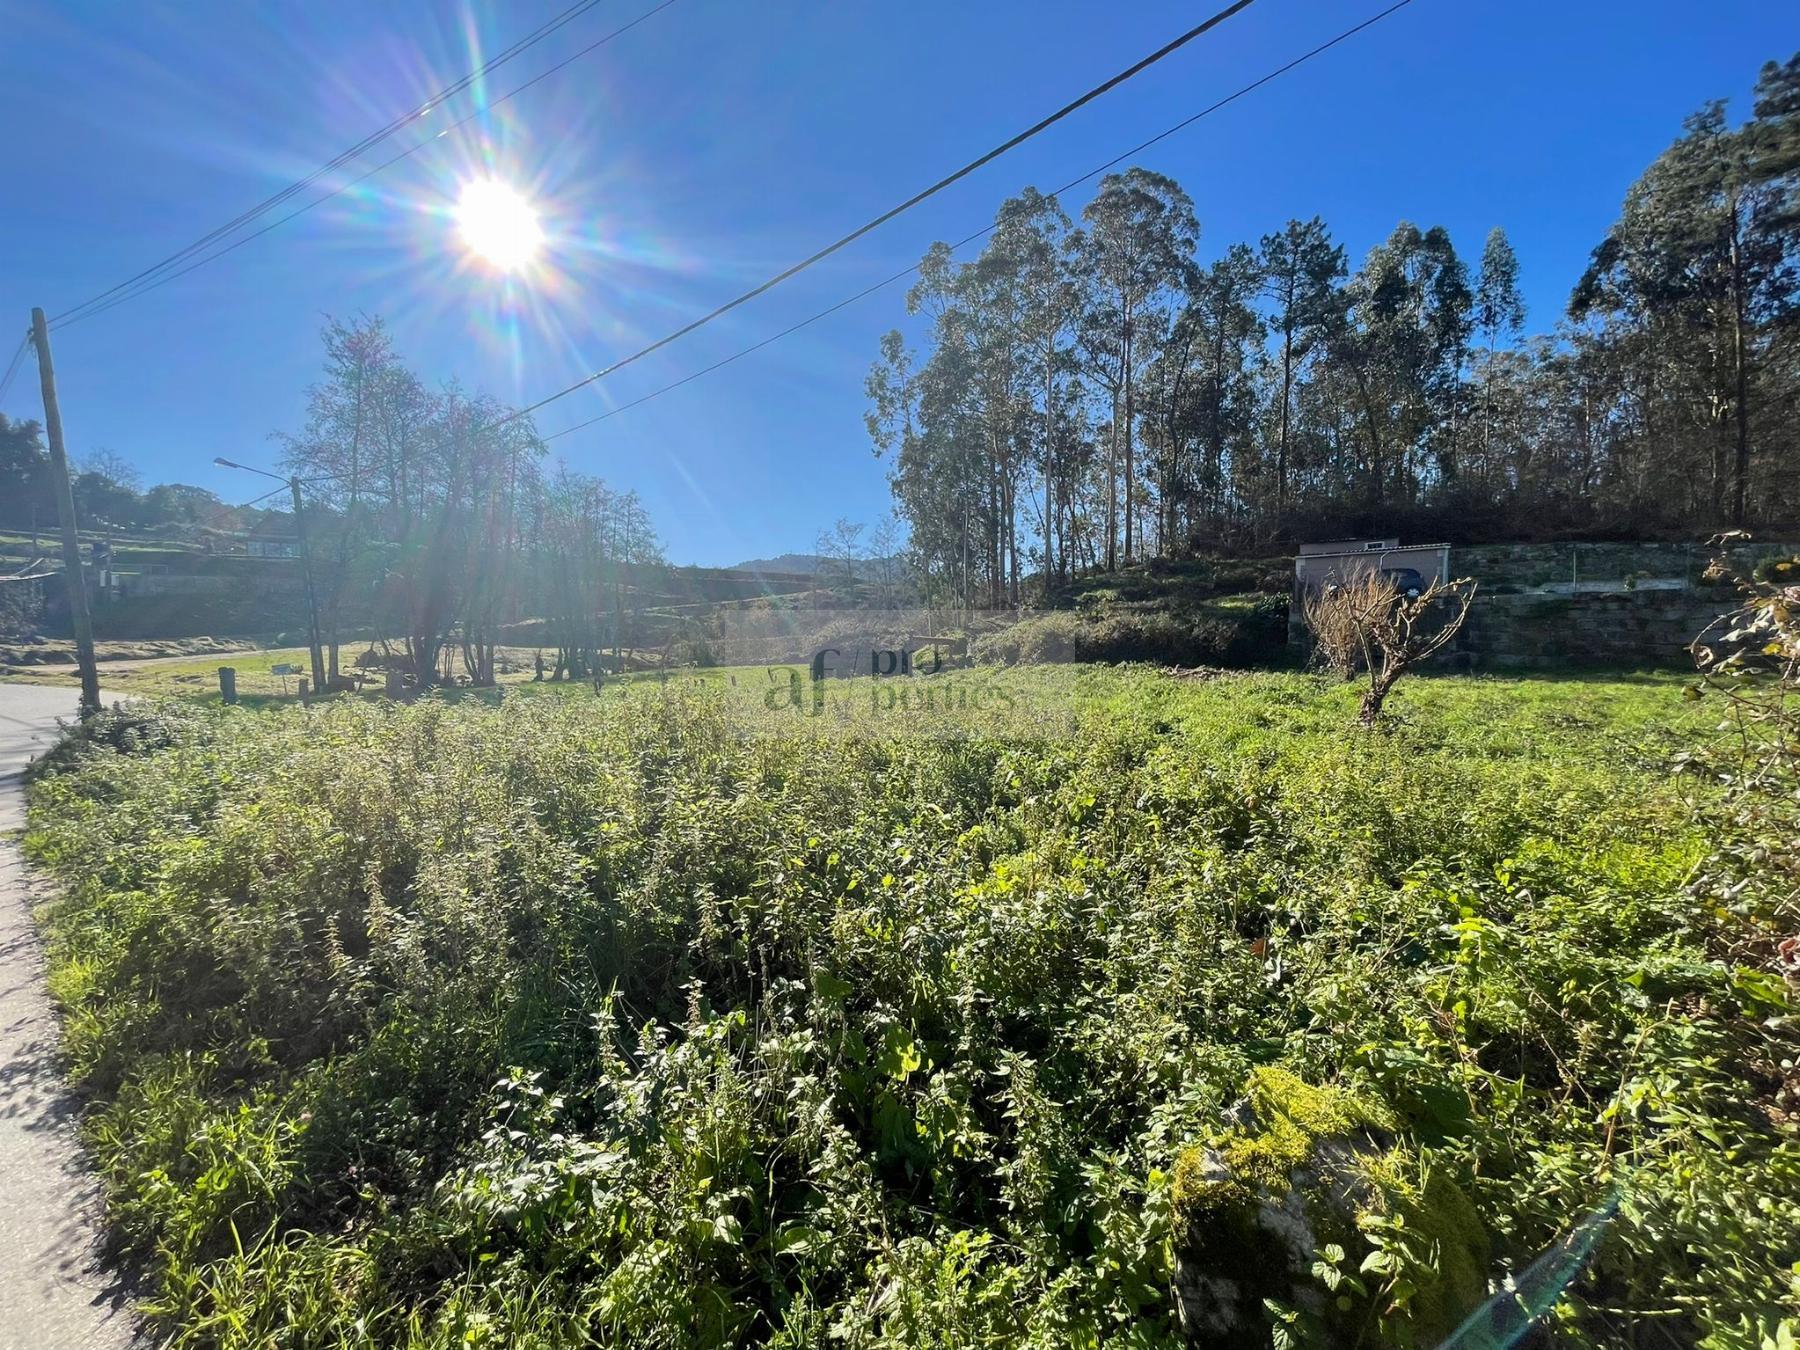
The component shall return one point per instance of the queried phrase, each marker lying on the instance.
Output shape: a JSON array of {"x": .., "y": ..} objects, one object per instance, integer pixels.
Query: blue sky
[{"x": 714, "y": 144}]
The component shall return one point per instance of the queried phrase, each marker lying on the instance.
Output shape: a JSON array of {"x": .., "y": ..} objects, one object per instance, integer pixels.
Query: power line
[
  {"x": 385, "y": 164},
  {"x": 374, "y": 138},
  {"x": 559, "y": 21},
  {"x": 480, "y": 112},
  {"x": 12, "y": 366},
  {"x": 1041, "y": 125},
  {"x": 227, "y": 508},
  {"x": 985, "y": 230},
  {"x": 958, "y": 175}
]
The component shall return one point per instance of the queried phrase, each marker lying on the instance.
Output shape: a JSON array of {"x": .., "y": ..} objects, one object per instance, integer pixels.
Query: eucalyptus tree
[
  {"x": 1202, "y": 391},
  {"x": 1032, "y": 234},
  {"x": 1699, "y": 263},
  {"x": 1301, "y": 269},
  {"x": 1499, "y": 313},
  {"x": 1223, "y": 305},
  {"x": 1171, "y": 408},
  {"x": 973, "y": 396},
  {"x": 969, "y": 419},
  {"x": 921, "y": 419},
  {"x": 1133, "y": 254},
  {"x": 1270, "y": 394},
  {"x": 994, "y": 309},
  {"x": 1406, "y": 342}
]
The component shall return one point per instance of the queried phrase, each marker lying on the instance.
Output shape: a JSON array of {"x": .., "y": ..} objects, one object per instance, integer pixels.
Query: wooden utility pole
[{"x": 65, "y": 510}]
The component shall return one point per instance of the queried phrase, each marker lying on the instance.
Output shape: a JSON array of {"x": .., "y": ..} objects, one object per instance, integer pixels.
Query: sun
[{"x": 498, "y": 225}]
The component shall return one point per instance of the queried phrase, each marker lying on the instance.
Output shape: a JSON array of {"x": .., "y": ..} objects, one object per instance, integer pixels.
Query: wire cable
[
  {"x": 480, "y": 112},
  {"x": 1043, "y": 124},
  {"x": 12, "y": 366},
  {"x": 227, "y": 508},
  {"x": 985, "y": 230},
  {"x": 374, "y": 138}
]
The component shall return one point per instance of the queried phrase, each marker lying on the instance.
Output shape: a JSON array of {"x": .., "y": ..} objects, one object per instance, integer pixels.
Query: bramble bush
[{"x": 637, "y": 1020}]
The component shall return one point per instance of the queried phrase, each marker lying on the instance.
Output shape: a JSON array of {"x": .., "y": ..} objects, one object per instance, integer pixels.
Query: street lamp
[{"x": 312, "y": 599}]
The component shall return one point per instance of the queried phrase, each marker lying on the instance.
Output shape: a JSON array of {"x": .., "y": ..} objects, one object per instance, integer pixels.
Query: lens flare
[{"x": 498, "y": 224}]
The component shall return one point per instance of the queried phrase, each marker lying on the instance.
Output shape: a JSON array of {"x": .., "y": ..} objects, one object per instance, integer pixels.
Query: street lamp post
[{"x": 315, "y": 647}]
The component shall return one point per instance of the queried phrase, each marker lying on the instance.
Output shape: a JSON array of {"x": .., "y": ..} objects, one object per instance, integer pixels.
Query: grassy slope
[
  {"x": 1201, "y": 611},
  {"x": 666, "y": 1016}
]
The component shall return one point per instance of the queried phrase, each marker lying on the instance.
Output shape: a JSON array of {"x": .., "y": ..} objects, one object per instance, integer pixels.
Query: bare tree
[
  {"x": 1367, "y": 623},
  {"x": 1333, "y": 614},
  {"x": 841, "y": 546}
]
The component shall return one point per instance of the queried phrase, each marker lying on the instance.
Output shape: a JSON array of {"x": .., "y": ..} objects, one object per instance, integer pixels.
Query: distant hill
[
  {"x": 809, "y": 564},
  {"x": 803, "y": 564}
]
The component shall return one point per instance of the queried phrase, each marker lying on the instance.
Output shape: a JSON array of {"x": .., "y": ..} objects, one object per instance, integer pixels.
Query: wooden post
[
  {"x": 65, "y": 510},
  {"x": 228, "y": 684}
]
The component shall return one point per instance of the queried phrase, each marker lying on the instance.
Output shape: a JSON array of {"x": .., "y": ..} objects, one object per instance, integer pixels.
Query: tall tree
[
  {"x": 1034, "y": 234},
  {"x": 1698, "y": 260},
  {"x": 1406, "y": 345},
  {"x": 1205, "y": 384},
  {"x": 25, "y": 492},
  {"x": 1301, "y": 268},
  {"x": 333, "y": 450},
  {"x": 1499, "y": 314},
  {"x": 1134, "y": 252}
]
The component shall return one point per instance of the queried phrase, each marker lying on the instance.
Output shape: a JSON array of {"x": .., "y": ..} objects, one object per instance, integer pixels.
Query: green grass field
[
  {"x": 128, "y": 674},
  {"x": 699, "y": 1013}
]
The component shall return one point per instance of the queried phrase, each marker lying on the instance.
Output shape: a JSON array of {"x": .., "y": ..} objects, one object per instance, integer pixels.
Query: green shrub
[
  {"x": 1227, "y": 636},
  {"x": 651, "y": 1019}
]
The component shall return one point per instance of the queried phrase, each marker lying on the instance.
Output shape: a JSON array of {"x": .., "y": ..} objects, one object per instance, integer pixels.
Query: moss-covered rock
[
  {"x": 1443, "y": 1225},
  {"x": 1299, "y": 1170}
]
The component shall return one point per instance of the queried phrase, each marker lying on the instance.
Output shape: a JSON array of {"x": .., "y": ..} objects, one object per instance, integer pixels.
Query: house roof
[{"x": 272, "y": 529}]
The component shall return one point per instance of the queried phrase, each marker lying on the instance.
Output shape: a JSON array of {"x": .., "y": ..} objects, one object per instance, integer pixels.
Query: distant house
[{"x": 270, "y": 539}]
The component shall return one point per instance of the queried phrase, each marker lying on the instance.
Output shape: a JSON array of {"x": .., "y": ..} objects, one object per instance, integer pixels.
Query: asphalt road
[{"x": 54, "y": 1292}]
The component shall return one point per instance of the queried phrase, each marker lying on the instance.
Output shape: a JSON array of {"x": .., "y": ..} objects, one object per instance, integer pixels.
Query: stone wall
[
  {"x": 1613, "y": 604},
  {"x": 1618, "y": 628},
  {"x": 1502, "y": 568},
  {"x": 1603, "y": 604}
]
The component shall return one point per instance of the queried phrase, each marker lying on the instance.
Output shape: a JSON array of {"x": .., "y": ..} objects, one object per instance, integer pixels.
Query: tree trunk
[
  {"x": 1373, "y": 698},
  {"x": 1287, "y": 398},
  {"x": 1130, "y": 462},
  {"x": 1740, "y": 476},
  {"x": 1049, "y": 469},
  {"x": 1377, "y": 486},
  {"x": 1112, "y": 488}
]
